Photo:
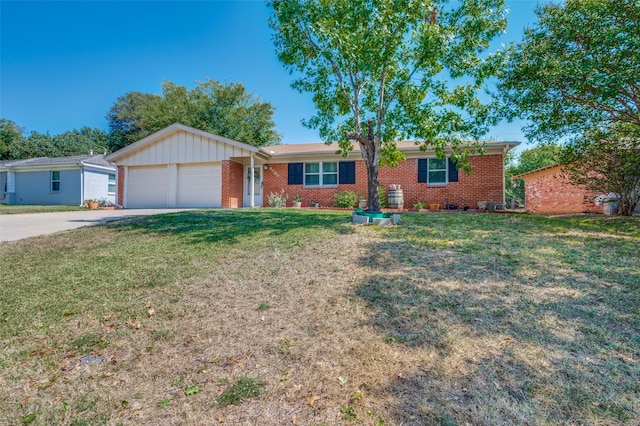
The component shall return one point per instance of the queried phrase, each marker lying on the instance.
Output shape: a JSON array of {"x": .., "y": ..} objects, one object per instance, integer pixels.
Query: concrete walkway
[{"x": 19, "y": 226}]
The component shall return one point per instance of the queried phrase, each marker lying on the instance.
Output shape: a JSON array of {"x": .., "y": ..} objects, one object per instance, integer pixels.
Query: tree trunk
[
  {"x": 370, "y": 149},
  {"x": 372, "y": 189}
]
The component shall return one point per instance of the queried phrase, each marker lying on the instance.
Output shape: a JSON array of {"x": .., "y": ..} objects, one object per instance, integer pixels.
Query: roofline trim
[{"x": 178, "y": 126}]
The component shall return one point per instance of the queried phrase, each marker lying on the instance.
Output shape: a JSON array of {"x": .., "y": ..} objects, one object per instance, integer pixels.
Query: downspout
[
  {"x": 504, "y": 186},
  {"x": 81, "y": 183},
  {"x": 252, "y": 183}
]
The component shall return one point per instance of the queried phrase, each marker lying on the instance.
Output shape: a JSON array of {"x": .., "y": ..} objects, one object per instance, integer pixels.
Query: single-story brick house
[
  {"x": 546, "y": 192},
  {"x": 57, "y": 181},
  {"x": 180, "y": 166}
]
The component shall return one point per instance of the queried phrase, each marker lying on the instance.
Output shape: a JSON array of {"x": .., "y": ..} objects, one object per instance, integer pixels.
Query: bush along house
[{"x": 180, "y": 166}]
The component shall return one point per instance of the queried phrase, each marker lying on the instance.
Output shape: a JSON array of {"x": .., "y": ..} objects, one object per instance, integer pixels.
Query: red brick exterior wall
[
  {"x": 120, "y": 193},
  {"x": 232, "y": 181},
  {"x": 547, "y": 193},
  {"x": 484, "y": 183}
]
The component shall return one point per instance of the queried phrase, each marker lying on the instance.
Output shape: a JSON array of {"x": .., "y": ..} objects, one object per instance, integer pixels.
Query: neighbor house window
[
  {"x": 112, "y": 183},
  {"x": 321, "y": 174},
  {"x": 55, "y": 181}
]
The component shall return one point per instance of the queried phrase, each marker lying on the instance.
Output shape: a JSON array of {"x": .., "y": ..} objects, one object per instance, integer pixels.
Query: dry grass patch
[{"x": 298, "y": 317}]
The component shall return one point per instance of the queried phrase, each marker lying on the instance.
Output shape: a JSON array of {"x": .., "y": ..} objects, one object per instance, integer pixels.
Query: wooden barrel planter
[{"x": 395, "y": 199}]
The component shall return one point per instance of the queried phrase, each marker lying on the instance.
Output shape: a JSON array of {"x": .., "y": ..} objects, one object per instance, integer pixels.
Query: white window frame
[
  {"x": 52, "y": 181},
  {"x": 115, "y": 183},
  {"x": 430, "y": 170},
  {"x": 321, "y": 174}
]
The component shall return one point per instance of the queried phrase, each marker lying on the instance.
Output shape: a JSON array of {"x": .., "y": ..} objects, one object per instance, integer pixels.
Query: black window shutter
[
  {"x": 295, "y": 173},
  {"x": 422, "y": 169},
  {"x": 347, "y": 172},
  {"x": 453, "y": 171}
]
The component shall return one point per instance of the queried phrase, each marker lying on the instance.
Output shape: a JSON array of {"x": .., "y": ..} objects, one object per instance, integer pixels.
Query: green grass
[
  {"x": 244, "y": 387},
  {"x": 450, "y": 318},
  {"x": 21, "y": 209}
]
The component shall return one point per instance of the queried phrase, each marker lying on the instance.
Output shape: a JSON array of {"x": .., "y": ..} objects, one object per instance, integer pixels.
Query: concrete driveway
[{"x": 19, "y": 226}]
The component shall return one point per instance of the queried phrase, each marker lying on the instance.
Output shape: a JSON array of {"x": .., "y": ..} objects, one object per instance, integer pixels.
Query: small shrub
[
  {"x": 382, "y": 195},
  {"x": 346, "y": 199},
  {"x": 245, "y": 387},
  {"x": 420, "y": 205},
  {"x": 277, "y": 199}
]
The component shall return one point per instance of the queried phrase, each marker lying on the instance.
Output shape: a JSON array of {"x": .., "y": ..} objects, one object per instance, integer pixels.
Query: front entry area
[{"x": 257, "y": 186}]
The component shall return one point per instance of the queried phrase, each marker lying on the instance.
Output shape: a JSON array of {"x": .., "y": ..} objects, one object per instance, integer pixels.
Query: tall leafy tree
[
  {"x": 224, "y": 109},
  {"x": 81, "y": 142},
  {"x": 577, "y": 70},
  {"x": 15, "y": 146},
  {"x": 381, "y": 71},
  {"x": 606, "y": 161},
  {"x": 124, "y": 117},
  {"x": 10, "y": 135},
  {"x": 35, "y": 145}
]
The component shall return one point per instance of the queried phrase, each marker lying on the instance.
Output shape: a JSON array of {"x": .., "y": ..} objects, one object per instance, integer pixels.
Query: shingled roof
[{"x": 97, "y": 160}]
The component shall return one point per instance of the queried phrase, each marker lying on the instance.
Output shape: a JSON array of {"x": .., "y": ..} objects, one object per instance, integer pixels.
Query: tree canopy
[
  {"x": 606, "y": 161},
  {"x": 380, "y": 71},
  {"x": 577, "y": 70},
  {"x": 224, "y": 109},
  {"x": 14, "y": 145}
]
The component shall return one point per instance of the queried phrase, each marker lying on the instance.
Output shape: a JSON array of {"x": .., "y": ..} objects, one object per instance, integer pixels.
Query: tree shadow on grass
[
  {"x": 230, "y": 226},
  {"x": 536, "y": 337}
]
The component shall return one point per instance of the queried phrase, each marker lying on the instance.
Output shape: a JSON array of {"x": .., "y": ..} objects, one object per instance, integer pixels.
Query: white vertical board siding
[
  {"x": 147, "y": 187},
  {"x": 199, "y": 185},
  {"x": 183, "y": 147}
]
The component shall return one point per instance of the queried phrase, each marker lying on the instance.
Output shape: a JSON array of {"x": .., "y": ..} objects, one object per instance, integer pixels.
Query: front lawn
[
  {"x": 20, "y": 209},
  {"x": 282, "y": 316}
]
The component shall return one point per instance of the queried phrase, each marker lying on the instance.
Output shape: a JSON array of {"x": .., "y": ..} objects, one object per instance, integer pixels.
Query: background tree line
[{"x": 223, "y": 109}]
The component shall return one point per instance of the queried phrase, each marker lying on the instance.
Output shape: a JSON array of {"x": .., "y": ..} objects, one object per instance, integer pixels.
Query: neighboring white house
[{"x": 57, "y": 181}]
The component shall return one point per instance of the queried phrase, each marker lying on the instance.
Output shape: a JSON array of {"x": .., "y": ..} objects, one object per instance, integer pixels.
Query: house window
[
  {"x": 112, "y": 183},
  {"x": 321, "y": 174},
  {"x": 55, "y": 181},
  {"x": 436, "y": 171}
]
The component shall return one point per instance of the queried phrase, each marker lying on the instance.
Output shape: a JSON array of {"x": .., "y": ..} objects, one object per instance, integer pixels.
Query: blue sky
[{"x": 64, "y": 64}]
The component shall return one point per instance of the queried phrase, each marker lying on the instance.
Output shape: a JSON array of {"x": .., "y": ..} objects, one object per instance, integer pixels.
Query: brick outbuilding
[{"x": 547, "y": 192}]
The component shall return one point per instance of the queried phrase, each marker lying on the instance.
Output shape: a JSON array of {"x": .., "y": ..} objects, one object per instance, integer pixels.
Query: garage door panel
[
  {"x": 147, "y": 187},
  {"x": 199, "y": 185}
]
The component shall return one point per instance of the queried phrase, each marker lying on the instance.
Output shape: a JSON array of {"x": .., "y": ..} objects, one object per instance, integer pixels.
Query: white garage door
[
  {"x": 199, "y": 185},
  {"x": 147, "y": 187}
]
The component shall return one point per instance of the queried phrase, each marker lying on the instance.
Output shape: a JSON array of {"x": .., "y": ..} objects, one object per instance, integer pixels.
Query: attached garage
[
  {"x": 199, "y": 185},
  {"x": 147, "y": 187},
  {"x": 180, "y": 166}
]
